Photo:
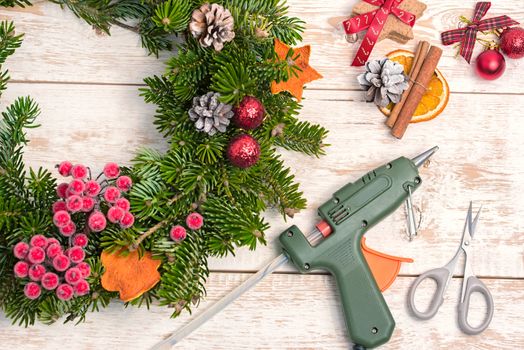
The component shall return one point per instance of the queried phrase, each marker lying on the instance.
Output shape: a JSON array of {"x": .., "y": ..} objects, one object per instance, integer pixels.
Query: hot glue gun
[{"x": 336, "y": 245}]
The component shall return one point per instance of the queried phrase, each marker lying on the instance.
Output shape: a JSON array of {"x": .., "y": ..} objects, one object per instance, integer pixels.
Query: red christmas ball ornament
[
  {"x": 490, "y": 65},
  {"x": 243, "y": 151},
  {"x": 249, "y": 113},
  {"x": 512, "y": 42}
]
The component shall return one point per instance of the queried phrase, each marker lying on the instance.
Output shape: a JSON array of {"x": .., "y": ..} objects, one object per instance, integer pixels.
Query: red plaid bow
[
  {"x": 374, "y": 21},
  {"x": 468, "y": 35}
]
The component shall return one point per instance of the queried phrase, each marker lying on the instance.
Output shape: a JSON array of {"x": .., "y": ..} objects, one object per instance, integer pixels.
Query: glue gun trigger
[{"x": 384, "y": 267}]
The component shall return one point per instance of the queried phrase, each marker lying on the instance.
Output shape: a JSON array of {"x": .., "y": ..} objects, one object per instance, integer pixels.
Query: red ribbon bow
[
  {"x": 468, "y": 35},
  {"x": 374, "y": 22}
]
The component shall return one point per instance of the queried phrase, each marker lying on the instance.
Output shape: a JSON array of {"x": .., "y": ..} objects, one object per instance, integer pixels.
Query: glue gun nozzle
[{"x": 421, "y": 158}]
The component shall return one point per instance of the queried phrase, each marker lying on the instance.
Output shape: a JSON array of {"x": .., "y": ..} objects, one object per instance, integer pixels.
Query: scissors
[{"x": 470, "y": 284}]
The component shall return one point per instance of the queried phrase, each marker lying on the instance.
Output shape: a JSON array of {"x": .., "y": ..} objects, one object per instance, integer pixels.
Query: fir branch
[
  {"x": 233, "y": 78},
  {"x": 101, "y": 14},
  {"x": 173, "y": 15},
  {"x": 235, "y": 224},
  {"x": 13, "y": 3},
  {"x": 302, "y": 137},
  {"x": 146, "y": 234},
  {"x": 184, "y": 276},
  {"x": 19, "y": 116},
  {"x": 9, "y": 42}
]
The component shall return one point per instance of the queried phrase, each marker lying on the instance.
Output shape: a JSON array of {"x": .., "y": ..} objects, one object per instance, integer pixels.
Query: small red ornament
[
  {"x": 490, "y": 65},
  {"x": 512, "y": 42},
  {"x": 249, "y": 114},
  {"x": 243, "y": 151}
]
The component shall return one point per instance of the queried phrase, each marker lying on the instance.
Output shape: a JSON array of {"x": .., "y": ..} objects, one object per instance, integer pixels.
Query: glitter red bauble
[
  {"x": 249, "y": 113},
  {"x": 512, "y": 42},
  {"x": 243, "y": 151},
  {"x": 490, "y": 65}
]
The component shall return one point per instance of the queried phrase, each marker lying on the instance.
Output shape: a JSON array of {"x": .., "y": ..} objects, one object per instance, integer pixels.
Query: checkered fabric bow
[
  {"x": 374, "y": 21},
  {"x": 468, "y": 35}
]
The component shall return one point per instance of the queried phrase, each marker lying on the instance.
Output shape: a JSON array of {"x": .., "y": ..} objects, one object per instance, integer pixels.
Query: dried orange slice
[
  {"x": 130, "y": 274},
  {"x": 436, "y": 97}
]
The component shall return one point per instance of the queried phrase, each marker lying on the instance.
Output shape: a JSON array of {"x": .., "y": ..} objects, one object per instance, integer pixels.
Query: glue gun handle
[{"x": 367, "y": 315}]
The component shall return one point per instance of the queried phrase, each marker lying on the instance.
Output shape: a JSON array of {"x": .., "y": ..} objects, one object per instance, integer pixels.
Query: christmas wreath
[{"x": 230, "y": 96}]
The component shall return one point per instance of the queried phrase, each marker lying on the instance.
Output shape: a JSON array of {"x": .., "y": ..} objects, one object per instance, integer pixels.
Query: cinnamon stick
[
  {"x": 417, "y": 91},
  {"x": 420, "y": 55}
]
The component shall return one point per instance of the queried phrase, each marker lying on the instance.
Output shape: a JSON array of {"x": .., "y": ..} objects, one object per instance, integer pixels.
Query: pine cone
[
  {"x": 212, "y": 25},
  {"x": 384, "y": 81},
  {"x": 209, "y": 114}
]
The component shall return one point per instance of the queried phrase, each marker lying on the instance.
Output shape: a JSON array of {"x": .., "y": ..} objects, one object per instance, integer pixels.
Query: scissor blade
[{"x": 472, "y": 223}]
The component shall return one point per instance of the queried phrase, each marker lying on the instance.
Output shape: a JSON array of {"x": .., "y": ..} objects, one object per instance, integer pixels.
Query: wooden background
[{"x": 86, "y": 84}]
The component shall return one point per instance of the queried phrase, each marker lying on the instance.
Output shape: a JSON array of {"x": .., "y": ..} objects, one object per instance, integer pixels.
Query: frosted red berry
[
  {"x": 61, "y": 262},
  {"x": 127, "y": 220},
  {"x": 111, "y": 170},
  {"x": 64, "y": 291},
  {"x": 76, "y": 186},
  {"x": 61, "y": 190},
  {"x": 59, "y": 205},
  {"x": 68, "y": 230},
  {"x": 21, "y": 269},
  {"x": 84, "y": 268},
  {"x": 74, "y": 203},
  {"x": 49, "y": 280},
  {"x": 92, "y": 188},
  {"x": 81, "y": 288},
  {"x": 194, "y": 221},
  {"x": 124, "y": 183},
  {"x": 177, "y": 233},
  {"x": 88, "y": 204},
  {"x": 61, "y": 218},
  {"x": 79, "y": 171},
  {"x": 36, "y": 272},
  {"x": 80, "y": 240},
  {"x": 20, "y": 250},
  {"x": 123, "y": 203},
  {"x": 97, "y": 221},
  {"x": 115, "y": 214},
  {"x": 76, "y": 254},
  {"x": 53, "y": 250},
  {"x": 111, "y": 194},
  {"x": 52, "y": 240},
  {"x": 38, "y": 241},
  {"x": 64, "y": 168},
  {"x": 32, "y": 290},
  {"x": 73, "y": 276},
  {"x": 36, "y": 255}
]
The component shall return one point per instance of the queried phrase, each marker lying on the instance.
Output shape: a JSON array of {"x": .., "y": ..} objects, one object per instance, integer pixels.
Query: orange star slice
[
  {"x": 295, "y": 84},
  {"x": 129, "y": 274}
]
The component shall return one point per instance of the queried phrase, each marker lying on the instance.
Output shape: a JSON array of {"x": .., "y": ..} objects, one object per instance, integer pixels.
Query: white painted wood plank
[
  {"x": 282, "y": 312},
  {"x": 59, "y": 47},
  {"x": 480, "y": 159}
]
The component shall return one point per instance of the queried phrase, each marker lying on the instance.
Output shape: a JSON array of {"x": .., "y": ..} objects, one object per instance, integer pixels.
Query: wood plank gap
[
  {"x": 491, "y": 277},
  {"x": 43, "y": 82},
  {"x": 81, "y": 83}
]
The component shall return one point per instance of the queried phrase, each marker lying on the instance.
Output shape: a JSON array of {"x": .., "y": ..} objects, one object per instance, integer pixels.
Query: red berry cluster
[
  {"x": 194, "y": 221},
  {"x": 45, "y": 264},
  {"x": 85, "y": 195}
]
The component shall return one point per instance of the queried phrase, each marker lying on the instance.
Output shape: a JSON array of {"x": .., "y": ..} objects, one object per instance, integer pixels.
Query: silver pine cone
[
  {"x": 212, "y": 25},
  {"x": 209, "y": 114},
  {"x": 384, "y": 81}
]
